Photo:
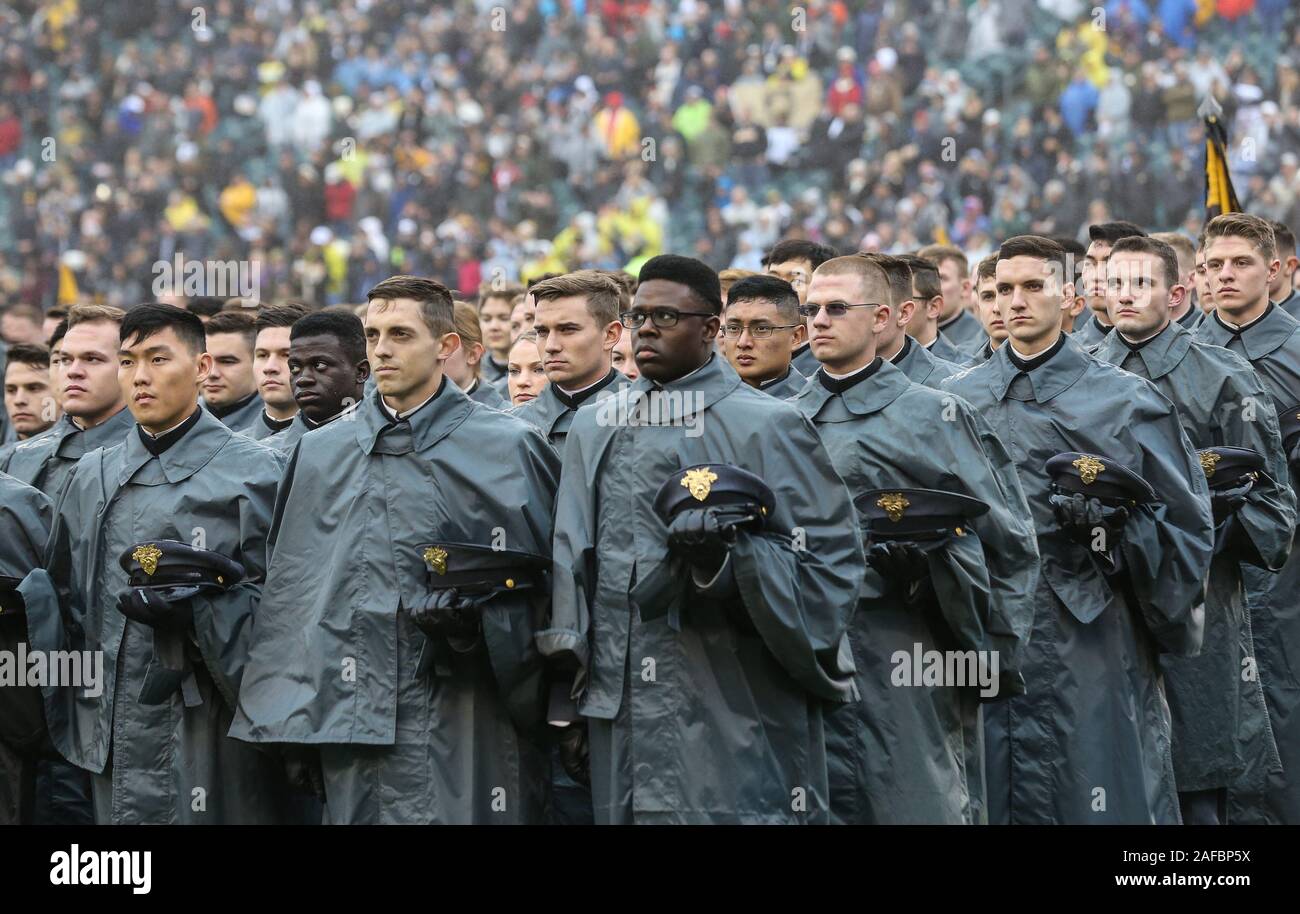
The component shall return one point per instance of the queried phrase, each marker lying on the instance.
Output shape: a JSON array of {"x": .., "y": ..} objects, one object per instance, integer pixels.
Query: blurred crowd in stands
[{"x": 337, "y": 143}]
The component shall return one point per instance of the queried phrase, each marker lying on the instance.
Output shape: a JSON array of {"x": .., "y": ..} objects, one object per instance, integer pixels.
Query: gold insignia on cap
[
  {"x": 894, "y": 504},
  {"x": 148, "y": 556},
  {"x": 699, "y": 482},
  {"x": 1088, "y": 468},
  {"x": 436, "y": 556},
  {"x": 1209, "y": 460}
]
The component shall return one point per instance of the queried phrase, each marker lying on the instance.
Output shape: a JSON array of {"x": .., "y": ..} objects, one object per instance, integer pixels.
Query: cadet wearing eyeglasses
[{"x": 761, "y": 328}]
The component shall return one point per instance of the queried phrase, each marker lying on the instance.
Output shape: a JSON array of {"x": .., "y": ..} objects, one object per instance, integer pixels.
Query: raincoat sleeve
[
  {"x": 565, "y": 640},
  {"x": 25, "y": 515},
  {"x": 1167, "y": 545},
  {"x": 985, "y": 581},
  {"x": 1267, "y": 520},
  {"x": 800, "y": 578},
  {"x": 511, "y": 622},
  {"x": 223, "y": 621}
]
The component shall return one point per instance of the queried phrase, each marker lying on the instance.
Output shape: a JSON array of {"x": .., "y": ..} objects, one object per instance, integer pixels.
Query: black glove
[
  {"x": 575, "y": 752},
  {"x": 903, "y": 566},
  {"x": 447, "y": 613},
  {"x": 140, "y": 604},
  {"x": 702, "y": 537},
  {"x": 1080, "y": 517},
  {"x": 302, "y": 768},
  {"x": 898, "y": 562},
  {"x": 1226, "y": 502}
]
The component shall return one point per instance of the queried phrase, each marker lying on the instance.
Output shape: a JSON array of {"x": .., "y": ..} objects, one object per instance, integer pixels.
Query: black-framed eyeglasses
[
  {"x": 757, "y": 331},
  {"x": 835, "y": 308},
  {"x": 663, "y": 318}
]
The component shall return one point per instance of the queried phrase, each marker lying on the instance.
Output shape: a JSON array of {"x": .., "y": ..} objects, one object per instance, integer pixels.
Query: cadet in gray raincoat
[
  {"x": 903, "y": 749},
  {"x": 1089, "y": 742},
  {"x": 913, "y": 752},
  {"x": 155, "y": 738},
  {"x": 402, "y": 731},
  {"x": 1221, "y": 728},
  {"x": 703, "y": 704},
  {"x": 1271, "y": 343},
  {"x": 24, "y": 527}
]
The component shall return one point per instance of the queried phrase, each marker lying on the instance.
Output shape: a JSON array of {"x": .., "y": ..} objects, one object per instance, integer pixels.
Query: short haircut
[
  {"x": 696, "y": 275},
  {"x": 344, "y": 327},
  {"x": 867, "y": 270},
  {"x": 986, "y": 269},
  {"x": 1284, "y": 238},
  {"x": 1040, "y": 247},
  {"x": 60, "y": 331},
  {"x": 925, "y": 276},
  {"x": 33, "y": 355},
  {"x": 143, "y": 321},
  {"x": 602, "y": 293},
  {"x": 761, "y": 287},
  {"x": 433, "y": 298},
  {"x": 938, "y": 253},
  {"x": 1110, "y": 232},
  {"x": 734, "y": 275},
  {"x": 205, "y": 305},
  {"x": 799, "y": 249},
  {"x": 1075, "y": 252},
  {"x": 26, "y": 312},
  {"x": 898, "y": 273},
  {"x": 240, "y": 322},
  {"x": 540, "y": 277},
  {"x": 1184, "y": 248},
  {"x": 489, "y": 291},
  {"x": 1259, "y": 232},
  {"x": 58, "y": 312},
  {"x": 277, "y": 316},
  {"x": 1142, "y": 244},
  {"x": 90, "y": 314},
  {"x": 626, "y": 283}
]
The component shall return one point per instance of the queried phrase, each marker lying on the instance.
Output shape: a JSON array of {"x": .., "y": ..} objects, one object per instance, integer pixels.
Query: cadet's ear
[
  {"x": 800, "y": 334},
  {"x": 884, "y": 314},
  {"x": 1067, "y": 296},
  {"x": 363, "y": 371},
  {"x": 711, "y": 327},
  {"x": 613, "y": 333},
  {"x": 905, "y": 312},
  {"x": 204, "y": 365},
  {"x": 1177, "y": 295},
  {"x": 448, "y": 344},
  {"x": 934, "y": 308}
]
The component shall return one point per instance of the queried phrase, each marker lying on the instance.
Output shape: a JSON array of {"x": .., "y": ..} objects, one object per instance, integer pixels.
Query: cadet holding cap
[
  {"x": 155, "y": 739},
  {"x": 393, "y": 657},
  {"x": 950, "y": 569},
  {"x": 1089, "y": 741},
  {"x": 702, "y": 647},
  {"x": 1241, "y": 260}
]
